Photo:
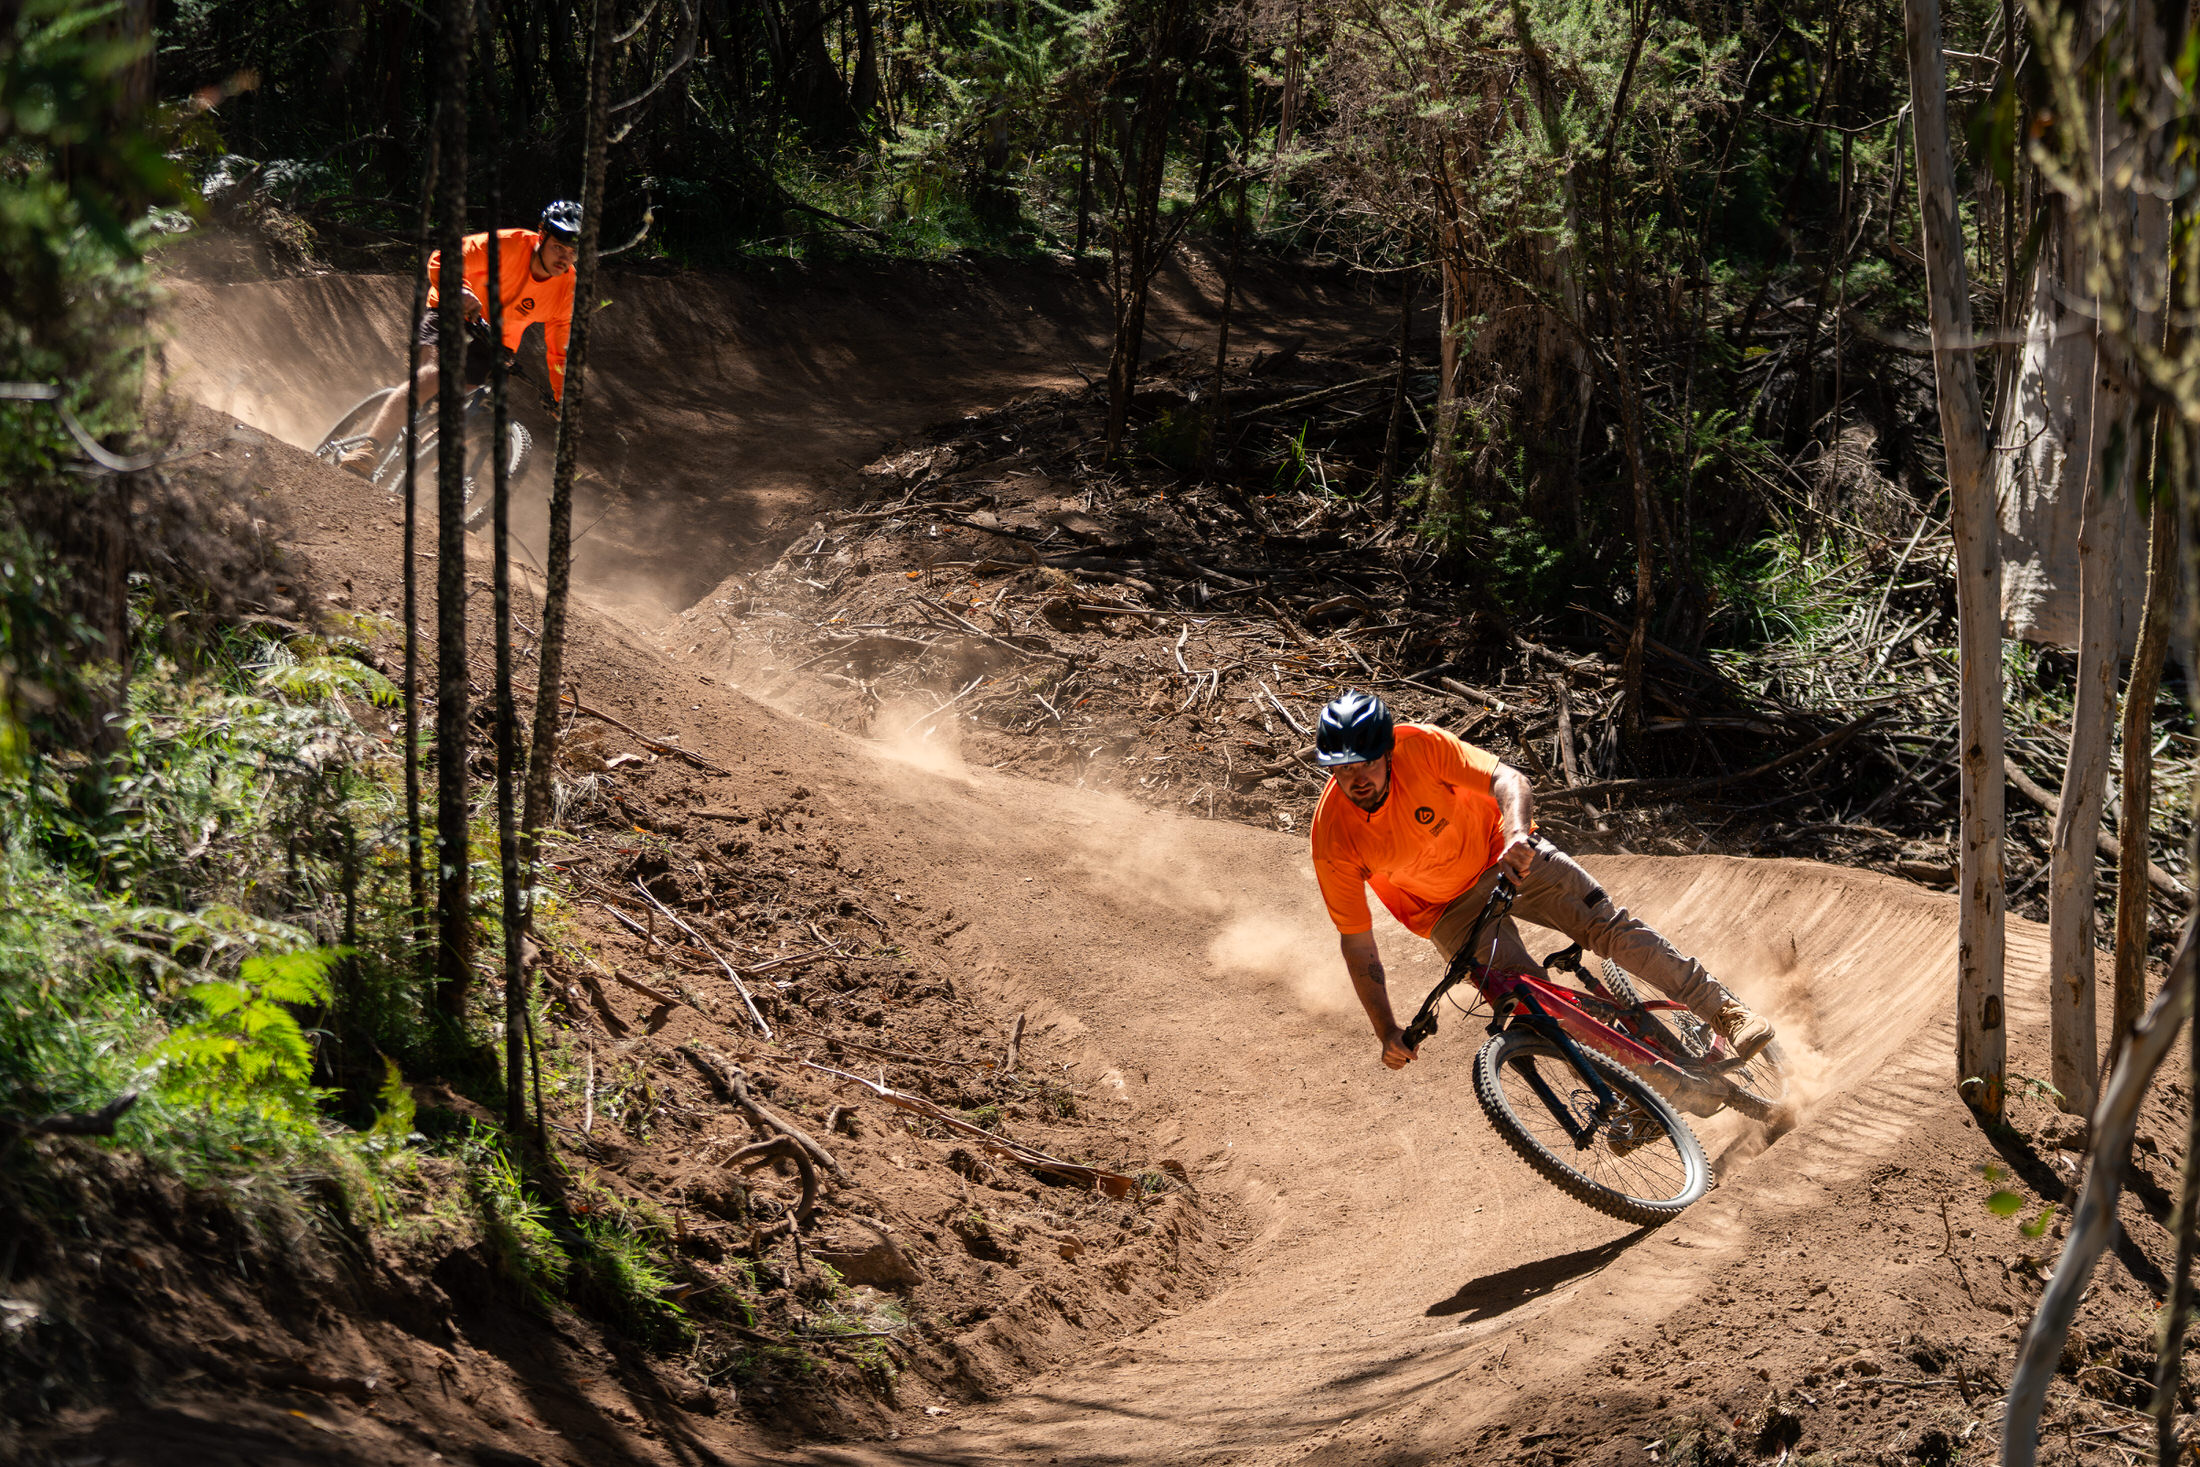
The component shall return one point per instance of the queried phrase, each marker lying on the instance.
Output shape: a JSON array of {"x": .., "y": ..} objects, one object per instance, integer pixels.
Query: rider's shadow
[{"x": 1506, "y": 1290}]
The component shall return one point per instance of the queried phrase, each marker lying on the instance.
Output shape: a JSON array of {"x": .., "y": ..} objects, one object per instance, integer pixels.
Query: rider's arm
[
  {"x": 1515, "y": 817},
  {"x": 1365, "y": 965}
]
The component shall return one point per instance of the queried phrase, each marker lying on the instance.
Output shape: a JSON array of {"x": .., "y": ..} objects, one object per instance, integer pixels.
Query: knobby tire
[
  {"x": 1647, "y": 1184},
  {"x": 1761, "y": 1086}
]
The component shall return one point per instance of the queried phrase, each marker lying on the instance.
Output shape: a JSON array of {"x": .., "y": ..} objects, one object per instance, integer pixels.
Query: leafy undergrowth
[{"x": 217, "y": 1060}]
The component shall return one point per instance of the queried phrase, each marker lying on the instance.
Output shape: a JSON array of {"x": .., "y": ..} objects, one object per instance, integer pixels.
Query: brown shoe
[
  {"x": 360, "y": 460},
  {"x": 1749, "y": 1032}
]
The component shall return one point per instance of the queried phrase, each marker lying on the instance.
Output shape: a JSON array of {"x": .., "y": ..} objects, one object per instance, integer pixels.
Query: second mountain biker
[{"x": 534, "y": 282}]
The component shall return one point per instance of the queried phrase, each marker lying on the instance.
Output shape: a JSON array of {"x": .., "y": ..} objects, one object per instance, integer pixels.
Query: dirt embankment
[
  {"x": 724, "y": 411},
  {"x": 1372, "y": 1278}
]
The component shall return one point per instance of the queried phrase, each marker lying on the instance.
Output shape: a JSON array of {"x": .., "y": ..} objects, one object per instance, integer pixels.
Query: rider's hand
[
  {"x": 1517, "y": 857},
  {"x": 1395, "y": 1054}
]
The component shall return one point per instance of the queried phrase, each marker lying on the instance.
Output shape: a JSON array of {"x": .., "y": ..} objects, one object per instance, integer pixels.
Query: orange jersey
[
  {"x": 524, "y": 299},
  {"x": 1436, "y": 832}
]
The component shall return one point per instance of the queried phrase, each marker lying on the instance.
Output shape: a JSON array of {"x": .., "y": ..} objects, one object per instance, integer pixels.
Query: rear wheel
[
  {"x": 1760, "y": 1085},
  {"x": 1641, "y": 1164}
]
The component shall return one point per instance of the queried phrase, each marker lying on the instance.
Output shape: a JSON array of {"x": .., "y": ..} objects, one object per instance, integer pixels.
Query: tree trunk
[
  {"x": 542, "y": 760},
  {"x": 2137, "y": 803},
  {"x": 453, "y": 907},
  {"x": 416, "y": 876},
  {"x": 1134, "y": 253},
  {"x": 864, "y": 91},
  {"x": 2072, "y": 858},
  {"x": 2094, "y": 1221},
  {"x": 511, "y": 919},
  {"x": 1387, "y": 474},
  {"x": 1981, "y": 1038}
]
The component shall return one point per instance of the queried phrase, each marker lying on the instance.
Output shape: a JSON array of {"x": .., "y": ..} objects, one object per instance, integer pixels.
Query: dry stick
[
  {"x": 989, "y": 637},
  {"x": 951, "y": 702},
  {"x": 735, "y": 1082},
  {"x": 2157, "y": 878},
  {"x": 2095, "y": 1219},
  {"x": 1015, "y": 1046},
  {"x": 588, "y": 1094},
  {"x": 783, "y": 1146},
  {"x": 658, "y": 746},
  {"x": 1675, "y": 788},
  {"x": 669, "y": 915},
  {"x": 1114, "y": 1184}
]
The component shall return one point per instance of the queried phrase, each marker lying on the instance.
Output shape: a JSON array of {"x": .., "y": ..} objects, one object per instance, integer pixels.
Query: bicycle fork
[{"x": 1607, "y": 1101}]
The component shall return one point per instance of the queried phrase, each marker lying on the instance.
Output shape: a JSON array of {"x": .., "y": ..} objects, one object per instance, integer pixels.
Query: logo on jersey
[
  {"x": 1424, "y": 814},
  {"x": 528, "y": 304}
]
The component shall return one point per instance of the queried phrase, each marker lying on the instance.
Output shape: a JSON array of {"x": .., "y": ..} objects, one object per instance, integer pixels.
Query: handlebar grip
[{"x": 1417, "y": 1032}]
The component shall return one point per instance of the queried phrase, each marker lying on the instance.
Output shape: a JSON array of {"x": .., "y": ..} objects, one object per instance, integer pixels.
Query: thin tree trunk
[
  {"x": 511, "y": 917},
  {"x": 415, "y": 873},
  {"x": 454, "y": 917},
  {"x": 2177, "y": 1308},
  {"x": 1218, "y": 423},
  {"x": 2094, "y": 1221},
  {"x": 2137, "y": 801},
  {"x": 1134, "y": 250},
  {"x": 542, "y": 760},
  {"x": 1981, "y": 1038},
  {"x": 1084, "y": 191},
  {"x": 2072, "y": 858},
  {"x": 1388, "y": 472}
]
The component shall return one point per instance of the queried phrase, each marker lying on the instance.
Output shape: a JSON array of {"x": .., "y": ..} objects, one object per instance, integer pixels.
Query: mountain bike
[
  {"x": 476, "y": 415},
  {"x": 1587, "y": 1086}
]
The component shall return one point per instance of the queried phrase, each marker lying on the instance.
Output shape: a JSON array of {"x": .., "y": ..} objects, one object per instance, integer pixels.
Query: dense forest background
[{"x": 1675, "y": 246}]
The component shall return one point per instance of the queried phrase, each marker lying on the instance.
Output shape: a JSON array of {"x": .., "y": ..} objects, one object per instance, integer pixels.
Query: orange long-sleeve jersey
[{"x": 525, "y": 300}]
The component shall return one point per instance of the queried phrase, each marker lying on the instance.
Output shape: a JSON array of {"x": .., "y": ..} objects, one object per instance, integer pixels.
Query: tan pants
[{"x": 1557, "y": 893}]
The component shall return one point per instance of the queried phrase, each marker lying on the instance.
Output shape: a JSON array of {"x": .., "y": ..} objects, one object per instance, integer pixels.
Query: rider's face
[
  {"x": 554, "y": 255},
  {"x": 1364, "y": 784}
]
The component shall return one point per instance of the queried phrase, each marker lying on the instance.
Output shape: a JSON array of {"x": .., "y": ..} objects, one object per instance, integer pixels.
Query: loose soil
[{"x": 1318, "y": 1260}]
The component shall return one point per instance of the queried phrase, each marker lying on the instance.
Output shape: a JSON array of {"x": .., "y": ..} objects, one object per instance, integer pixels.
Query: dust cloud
[{"x": 907, "y": 732}]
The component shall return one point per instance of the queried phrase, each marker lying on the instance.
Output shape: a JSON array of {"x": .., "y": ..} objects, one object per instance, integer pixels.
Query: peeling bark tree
[{"x": 1981, "y": 1039}]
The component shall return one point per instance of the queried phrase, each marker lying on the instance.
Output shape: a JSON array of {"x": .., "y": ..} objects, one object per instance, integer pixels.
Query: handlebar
[{"x": 1502, "y": 895}]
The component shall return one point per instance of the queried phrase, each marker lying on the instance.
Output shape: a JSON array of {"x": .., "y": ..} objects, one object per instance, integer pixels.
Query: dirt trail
[
  {"x": 726, "y": 408},
  {"x": 1410, "y": 1291}
]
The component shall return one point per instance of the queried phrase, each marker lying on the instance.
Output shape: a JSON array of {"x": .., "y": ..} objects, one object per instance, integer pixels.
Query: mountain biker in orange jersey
[
  {"x": 1430, "y": 822},
  {"x": 535, "y": 283}
]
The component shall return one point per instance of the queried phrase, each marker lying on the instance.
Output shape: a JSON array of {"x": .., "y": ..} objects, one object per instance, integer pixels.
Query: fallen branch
[
  {"x": 655, "y": 746},
  {"x": 1114, "y": 1184},
  {"x": 1680, "y": 787},
  {"x": 2157, "y": 878},
  {"x": 733, "y": 1082},
  {"x": 100, "y": 1122},
  {"x": 771, "y": 1150},
  {"x": 669, "y": 915}
]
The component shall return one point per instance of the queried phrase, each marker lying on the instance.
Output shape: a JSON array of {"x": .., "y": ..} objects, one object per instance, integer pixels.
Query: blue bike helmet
[
  {"x": 1355, "y": 728},
  {"x": 562, "y": 221}
]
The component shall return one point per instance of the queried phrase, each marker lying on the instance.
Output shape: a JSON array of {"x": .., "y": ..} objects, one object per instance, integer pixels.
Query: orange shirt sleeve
[
  {"x": 1343, "y": 877},
  {"x": 1454, "y": 761},
  {"x": 473, "y": 263}
]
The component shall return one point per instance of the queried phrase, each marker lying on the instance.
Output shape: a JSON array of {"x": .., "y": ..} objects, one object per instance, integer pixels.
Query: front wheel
[{"x": 1641, "y": 1164}]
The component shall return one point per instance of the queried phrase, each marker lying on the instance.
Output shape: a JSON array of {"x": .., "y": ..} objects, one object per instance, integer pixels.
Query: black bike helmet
[
  {"x": 1355, "y": 728},
  {"x": 562, "y": 221}
]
